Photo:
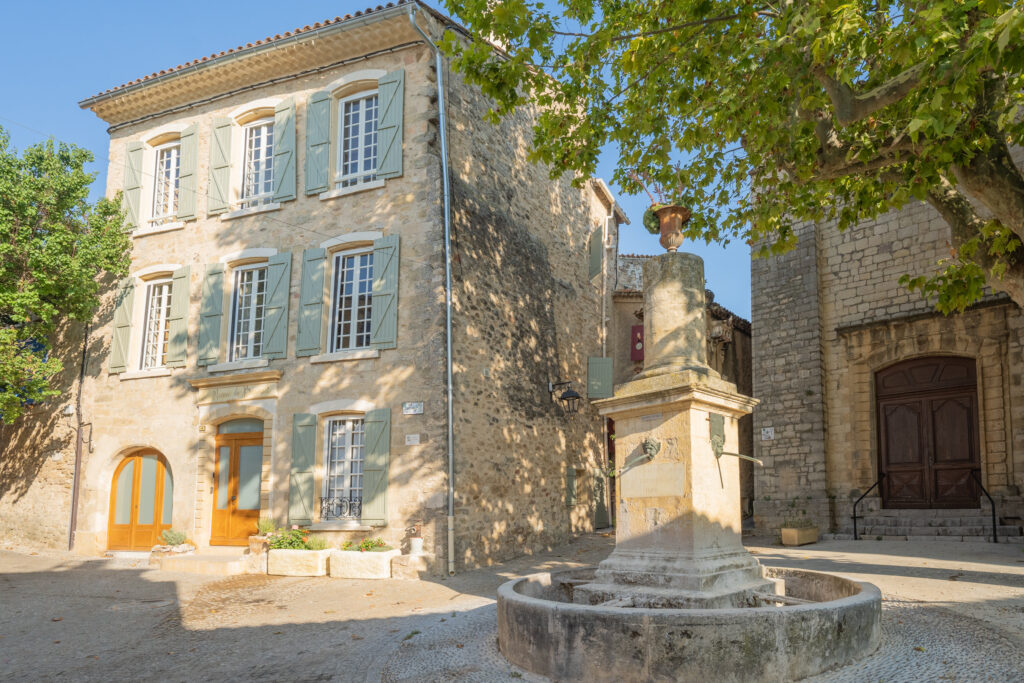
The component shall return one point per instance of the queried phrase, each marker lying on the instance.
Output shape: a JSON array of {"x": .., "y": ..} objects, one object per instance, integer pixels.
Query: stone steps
[
  {"x": 220, "y": 564},
  {"x": 1003, "y": 530}
]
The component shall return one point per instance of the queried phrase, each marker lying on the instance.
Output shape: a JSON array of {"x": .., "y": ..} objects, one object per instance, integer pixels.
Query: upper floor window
[
  {"x": 156, "y": 320},
  {"x": 351, "y": 298},
  {"x": 357, "y": 132},
  {"x": 248, "y": 311},
  {"x": 166, "y": 181},
  {"x": 258, "y": 164}
]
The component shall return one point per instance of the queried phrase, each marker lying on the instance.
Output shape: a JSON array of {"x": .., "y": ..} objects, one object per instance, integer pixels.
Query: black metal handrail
[
  {"x": 878, "y": 481},
  {"x": 995, "y": 535}
]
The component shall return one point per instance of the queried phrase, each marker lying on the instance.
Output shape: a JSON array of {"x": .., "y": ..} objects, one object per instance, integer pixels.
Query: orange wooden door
[
  {"x": 141, "y": 497},
  {"x": 238, "y": 469}
]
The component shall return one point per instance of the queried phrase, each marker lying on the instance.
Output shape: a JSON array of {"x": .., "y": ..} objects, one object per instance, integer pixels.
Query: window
[
  {"x": 351, "y": 294},
  {"x": 343, "y": 466},
  {"x": 157, "y": 330},
  {"x": 258, "y": 165},
  {"x": 357, "y": 133},
  {"x": 248, "y": 309},
  {"x": 165, "y": 183}
]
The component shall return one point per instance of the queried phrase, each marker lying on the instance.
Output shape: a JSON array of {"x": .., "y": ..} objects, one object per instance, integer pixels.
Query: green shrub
[
  {"x": 172, "y": 537},
  {"x": 316, "y": 543},
  {"x": 296, "y": 539},
  {"x": 265, "y": 526},
  {"x": 366, "y": 545}
]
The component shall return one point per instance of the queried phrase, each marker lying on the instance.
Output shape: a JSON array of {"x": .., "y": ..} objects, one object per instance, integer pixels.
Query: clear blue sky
[{"x": 54, "y": 54}]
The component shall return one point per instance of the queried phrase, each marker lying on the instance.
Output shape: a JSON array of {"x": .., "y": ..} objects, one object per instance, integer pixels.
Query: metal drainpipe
[
  {"x": 76, "y": 477},
  {"x": 439, "y": 66}
]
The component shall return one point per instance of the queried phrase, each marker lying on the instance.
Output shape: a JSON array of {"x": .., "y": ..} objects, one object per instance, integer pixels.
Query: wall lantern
[{"x": 569, "y": 398}]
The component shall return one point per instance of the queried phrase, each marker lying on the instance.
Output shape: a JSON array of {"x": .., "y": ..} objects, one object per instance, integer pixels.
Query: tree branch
[
  {"x": 851, "y": 106},
  {"x": 667, "y": 29}
]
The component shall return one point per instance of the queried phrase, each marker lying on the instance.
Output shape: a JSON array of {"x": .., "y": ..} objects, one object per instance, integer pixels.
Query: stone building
[
  {"x": 279, "y": 348},
  {"x": 858, "y": 378}
]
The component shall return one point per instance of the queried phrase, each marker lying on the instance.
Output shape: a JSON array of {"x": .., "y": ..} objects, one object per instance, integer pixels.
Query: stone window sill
[
  {"x": 157, "y": 229},
  {"x": 340, "y": 526},
  {"x": 355, "y": 354},
  {"x": 239, "y": 365},
  {"x": 141, "y": 374},
  {"x": 241, "y": 213},
  {"x": 352, "y": 189}
]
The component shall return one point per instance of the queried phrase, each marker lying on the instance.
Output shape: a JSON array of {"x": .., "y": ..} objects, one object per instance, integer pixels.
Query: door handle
[{"x": 234, "y": 498}]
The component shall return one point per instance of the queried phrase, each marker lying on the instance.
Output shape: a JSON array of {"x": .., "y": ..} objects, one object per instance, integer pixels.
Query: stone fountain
[{"x": 680, "y": 598}]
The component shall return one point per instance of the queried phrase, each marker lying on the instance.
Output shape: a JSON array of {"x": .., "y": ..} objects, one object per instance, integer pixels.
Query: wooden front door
[
  {"x": 238, "y": 468},
  {"x": 141, "y": 499},
  {"x": 928, "y": 433}
]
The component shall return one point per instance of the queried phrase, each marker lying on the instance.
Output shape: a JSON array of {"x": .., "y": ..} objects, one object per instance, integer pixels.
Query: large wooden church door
[{"x": 928, "y": 433}]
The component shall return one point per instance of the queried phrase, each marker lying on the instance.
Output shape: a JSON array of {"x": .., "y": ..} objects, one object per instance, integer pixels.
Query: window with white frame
[
  {"x": 248, "y": 309},
  {"x": 357, "y": 136},
  {"x": 165, "y": 183},
  {"x": 258, "y": 164},
  {"x": 343, "y": 468},
  {"x": 156, "y": 331},
  {"x": 351, "y": 296}
]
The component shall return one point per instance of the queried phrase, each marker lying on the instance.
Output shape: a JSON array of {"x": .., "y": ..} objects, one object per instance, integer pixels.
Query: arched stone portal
[{"x": 141, "y": 501}]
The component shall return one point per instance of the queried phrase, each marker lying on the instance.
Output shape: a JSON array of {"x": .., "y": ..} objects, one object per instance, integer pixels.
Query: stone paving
[{"x": 947, "y": 615}]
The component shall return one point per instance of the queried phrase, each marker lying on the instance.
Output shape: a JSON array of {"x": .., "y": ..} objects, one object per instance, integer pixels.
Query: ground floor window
[{"x": 343, "y": 469}]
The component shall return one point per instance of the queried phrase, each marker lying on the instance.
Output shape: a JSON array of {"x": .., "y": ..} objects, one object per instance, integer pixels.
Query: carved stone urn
[{"x": 671, "y": 220}]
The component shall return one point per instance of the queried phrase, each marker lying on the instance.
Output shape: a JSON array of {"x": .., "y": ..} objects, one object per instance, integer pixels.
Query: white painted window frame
[
  {"x": 348, "y": 461},
  {"x": 337, "y": 258},
  {"x": 260, "y": 199},
  {"x": 164, "y": 214},
  {"x": 236, "y": 277},
  {"x": 343, "y": 181},
  {"x": 151, "y": 335}
]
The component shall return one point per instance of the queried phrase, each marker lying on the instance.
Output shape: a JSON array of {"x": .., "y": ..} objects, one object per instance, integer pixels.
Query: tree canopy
[
  {"x": 55, "y": 248},
  {"x": 762, "y": 115}
]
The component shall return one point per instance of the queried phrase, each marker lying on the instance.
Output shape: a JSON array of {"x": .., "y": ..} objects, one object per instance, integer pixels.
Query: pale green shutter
[
  {"x": 122, "y": 333},
  {"x": 311, "y": 302},
  {"x": 301, "y": 497},
  {"x": 220, "y": 167},
  {"x": 284, "y": 151},
  {"x": 211, "y": 315},
  {"x": 384, "y": 304},
  {"x": 376, "y": 453},
  {"x": 318, "y": 142},
  {"x": 570, "y": 487},
  {"x": 599, "y": 377},
  {"x": 132, "y": 183},
  {"x": 390, "y": 102},
  {"x": 177, "y": 323},
  {"x": 275, "y": 323},
  {"x": 596, "y": 246},
  {"x": 188, "y": 160}
]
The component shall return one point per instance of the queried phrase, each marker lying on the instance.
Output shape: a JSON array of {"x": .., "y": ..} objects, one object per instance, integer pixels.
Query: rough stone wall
[{"x": 526, "y": 313}]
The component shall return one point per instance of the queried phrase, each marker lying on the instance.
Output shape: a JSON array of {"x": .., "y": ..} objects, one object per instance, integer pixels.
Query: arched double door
[
  {"x": 141, "y": 500},
  {"x": 928, "y": 433}
]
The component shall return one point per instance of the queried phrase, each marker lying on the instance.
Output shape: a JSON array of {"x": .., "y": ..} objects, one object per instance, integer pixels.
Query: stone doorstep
[
  {"x": 219, "y": 564},
  {"x": 1003, "y": 530}
]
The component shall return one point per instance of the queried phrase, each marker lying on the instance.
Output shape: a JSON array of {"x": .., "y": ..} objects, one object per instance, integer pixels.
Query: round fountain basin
[{"x": 541, "y": 630}]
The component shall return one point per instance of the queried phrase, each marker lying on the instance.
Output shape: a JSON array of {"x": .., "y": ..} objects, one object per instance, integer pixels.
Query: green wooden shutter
[
  {"x": 391, "y": 101},
  {"x": 132, "y": 183},
  {"x": 599, "y": 377},
  {"x": 384, "y": 304},
  {"x": 311, "y": 302},
  {"x": 211, "y": 315},
  {"x": 318, "y": 142},
  {"x": 177, "y": 322},
  {"x": 122, "y": 333},
  {"x": 220, "y": 167},
  {"x": 301, "y": 497},
  {"x": 377, "y": 428},
  {"x": 188, "y": 161},
  {"x": 275, "y": 322},
  {"x": 570, "y": 487},
  {"x": 284, "y": 151},
  {"x": 596, "y": 246}
]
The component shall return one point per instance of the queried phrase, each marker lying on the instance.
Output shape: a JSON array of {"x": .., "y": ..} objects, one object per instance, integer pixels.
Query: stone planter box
[
  {"x": 297, "y": 562},
  {"x": 258, "y": 544},
  {"x": 799, "y": 535},
  {"x": 352, "y": 564}
]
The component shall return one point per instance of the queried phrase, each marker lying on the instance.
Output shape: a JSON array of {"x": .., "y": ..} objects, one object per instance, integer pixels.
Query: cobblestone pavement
[{"x": 946, "y": 614}]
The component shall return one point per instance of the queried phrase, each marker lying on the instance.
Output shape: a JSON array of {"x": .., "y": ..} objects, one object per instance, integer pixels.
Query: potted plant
[
  {"x": 416, "y": 538},
  {"x": 799, "y": 530},
  {"x": 260, "y": 542},
  {"x": 663, "y": 217},
  {"x": 294, "y": 552},
  {"x": 174, "y": 543},
  {"x": 368, "y": 559}
]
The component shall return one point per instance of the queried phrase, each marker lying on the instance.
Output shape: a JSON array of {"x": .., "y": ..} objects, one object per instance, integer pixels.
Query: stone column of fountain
[{"x": 677, "y": 536}]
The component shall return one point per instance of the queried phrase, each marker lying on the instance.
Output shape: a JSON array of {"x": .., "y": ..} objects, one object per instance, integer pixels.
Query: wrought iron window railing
[{"x": 341, "y": 508}]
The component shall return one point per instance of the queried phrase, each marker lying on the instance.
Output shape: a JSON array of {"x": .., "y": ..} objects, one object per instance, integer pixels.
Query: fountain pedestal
[{"x": 677, "y": 536}]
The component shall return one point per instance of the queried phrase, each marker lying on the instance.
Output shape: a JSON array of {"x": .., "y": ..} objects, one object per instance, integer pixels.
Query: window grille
[
  {"x": 165, "y": 186},
  {"x": 343, "y": 464},
  {"x": 157, "y": 331},
  {"x": 258, "y": 168},
  {"x": 357, "y": 130},
  {"x": 351, "y": 298},
  {"x": 248, "y": 311}
]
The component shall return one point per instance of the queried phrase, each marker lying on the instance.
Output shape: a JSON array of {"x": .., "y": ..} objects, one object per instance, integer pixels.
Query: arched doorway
[
  {"x": 141, "y": 500},
  {"x": 238, "y": 469},
  {"x": 928, "y": 433}
]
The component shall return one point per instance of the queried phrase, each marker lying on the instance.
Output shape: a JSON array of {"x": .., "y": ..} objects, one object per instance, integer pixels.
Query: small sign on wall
[
  {"x": 412, "y": 439},
  {"x": 412, "y": 408},
  {"x": 767, "y": 433}
]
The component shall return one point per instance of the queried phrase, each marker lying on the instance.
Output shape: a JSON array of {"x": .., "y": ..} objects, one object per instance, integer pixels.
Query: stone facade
[
  {"x": 525, "y": 313},
  {"x": 830, "y": 314}
]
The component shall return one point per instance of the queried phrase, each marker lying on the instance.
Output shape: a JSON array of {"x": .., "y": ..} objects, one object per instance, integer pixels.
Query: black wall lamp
[{"x": 569, "y": 398}]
